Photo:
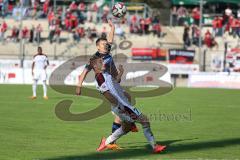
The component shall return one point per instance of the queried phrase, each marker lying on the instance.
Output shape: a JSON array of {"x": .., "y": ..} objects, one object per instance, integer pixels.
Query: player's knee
[{"x": 144, "y": 121}]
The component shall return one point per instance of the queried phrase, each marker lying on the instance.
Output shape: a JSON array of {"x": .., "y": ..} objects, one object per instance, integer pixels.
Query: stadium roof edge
[{"x": 196, "y": 2}]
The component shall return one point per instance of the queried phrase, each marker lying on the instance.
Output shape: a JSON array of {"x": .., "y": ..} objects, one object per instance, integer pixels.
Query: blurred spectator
[
  {"x": 104, "y": 32},
  {"x": 91, "y": 33},
  {"x": 31, "y": 34},
  {"x": 209, "y": 41},
  {"x": 4, "y": 28},
  {"x": 119, "y": 32},
  {"x": 134, "y": 28},
  {"x": 51, "y": 17},
  {"x": 38, "y": 33},
  {"x": 25, "y": 33},
  {"x": 148, "y": 22},
  {"x": 196, "y": 15},
  {"x": 46, "y": 7},
  {"x": 134, "y": 19},
  {"x": 57, "y": 34},
  {"x": 217, "y": 26},
  {"x": 156, "y": 27},
  {"x": 14, "y": 34},
  {"x": 73, "y": 6},
  {"x": 94, "y": 9},
  {"x": 82, "y": 7},
  {"x": 195, "y": 35},
  {"x": 238, "y": 13},
  {"x": 52, "y": 32},
  {"x": 73, "y": 21},
  {"x": 174, "y": 16},
  {"x": 182, "y": 14},
  {"x": 235, "y": 26},
  {"x": 142, "y": 26},
  {"x": 228, "y": 11},
  {"x": 4, "y": 7},
  {"x": 76, "y": 36},
  {"x": 186, "y": 37}
]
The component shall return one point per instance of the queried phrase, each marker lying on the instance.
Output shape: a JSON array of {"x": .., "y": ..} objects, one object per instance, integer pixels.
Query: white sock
[
  {"x": 34, "y": 88},
  {"x": 149, "y": 136},
  {"x": 44, "y": 88},
  {"x": 114, "y": 136}
]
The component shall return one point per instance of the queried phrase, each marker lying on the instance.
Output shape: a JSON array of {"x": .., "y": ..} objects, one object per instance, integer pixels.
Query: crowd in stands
[
  {"x": 226, "y": 24},
  {"x": 71, "y": 19}
]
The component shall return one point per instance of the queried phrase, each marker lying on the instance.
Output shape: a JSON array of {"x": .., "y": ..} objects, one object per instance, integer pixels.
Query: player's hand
[
  {"x": 121, "y": 69},
  {"x": 78, "y": 90}
]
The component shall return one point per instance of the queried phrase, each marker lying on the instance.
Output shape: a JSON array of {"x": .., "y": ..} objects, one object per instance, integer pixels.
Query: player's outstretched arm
[
  {"x": 112, "y": 32},
  {"x": 81, "y": 79}
]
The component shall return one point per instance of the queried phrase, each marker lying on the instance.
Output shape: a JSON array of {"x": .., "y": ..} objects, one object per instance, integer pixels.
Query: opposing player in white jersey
[
  {"x": 128, "y": 114},
  {"x": 39, "y": 65}
]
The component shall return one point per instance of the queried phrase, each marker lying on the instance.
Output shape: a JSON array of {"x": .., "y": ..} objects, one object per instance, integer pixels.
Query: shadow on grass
[{"x": 145, "y": 150}]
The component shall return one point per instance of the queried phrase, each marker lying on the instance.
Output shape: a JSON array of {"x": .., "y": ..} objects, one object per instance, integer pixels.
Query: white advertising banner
[
  {"x": 12, "y": 73},
  {"x": 182, "y": 68},
  {"x": 214, "y": 80},
  {"x": 217, "y": 62}
]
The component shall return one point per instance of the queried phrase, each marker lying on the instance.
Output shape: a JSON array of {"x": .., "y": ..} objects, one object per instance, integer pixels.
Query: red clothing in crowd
[
  {"x": 74, "y": 21},
  {"x": 81, "y": 31},
  {"x": 4, "y": 27},
  {"x": 46, "y": 6},
  {"x": 81, "y": 7},
  {"x": 95, "y": 7},
  {"x": 50, "y": 17},
  {"x": 208, "y": 39},
  {"x": 73, "y": 6},
  {"x": 196, "y": 14},
  {"x": 217, "y": 22},
  {"x": 157, "y": 28},
  {"x": 148, "y": 21},
  {"x": 25, "y": 32},
  {"x": 134, "y": 19},
  {"x": 142, "y": 24},
  {"x": 235, "y": 23}
]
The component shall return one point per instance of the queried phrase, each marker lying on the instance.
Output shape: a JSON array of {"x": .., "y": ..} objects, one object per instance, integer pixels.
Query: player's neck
[{"x": 98, "y": 72}]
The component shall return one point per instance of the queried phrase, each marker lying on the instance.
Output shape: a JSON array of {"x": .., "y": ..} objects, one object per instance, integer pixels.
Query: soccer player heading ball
[
  {"x": 127, "y": 113},
  {"x": 104, "y": 46}
]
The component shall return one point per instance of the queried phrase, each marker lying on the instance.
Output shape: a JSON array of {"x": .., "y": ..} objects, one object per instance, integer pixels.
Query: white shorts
[
  {"x": 40, "y": 75},
  {"x": 126, "y": 114},
  {"x": 125, "y": 111}
]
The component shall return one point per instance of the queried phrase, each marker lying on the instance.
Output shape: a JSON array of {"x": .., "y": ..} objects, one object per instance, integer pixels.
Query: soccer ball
[{"x": 119, "y": 10}]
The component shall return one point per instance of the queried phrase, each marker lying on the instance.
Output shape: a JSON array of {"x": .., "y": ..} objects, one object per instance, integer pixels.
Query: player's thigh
[
  {"x": 43, "y": 75},
  {"x": 117, "y": 119},
  {"x": 36, "y": 75}
]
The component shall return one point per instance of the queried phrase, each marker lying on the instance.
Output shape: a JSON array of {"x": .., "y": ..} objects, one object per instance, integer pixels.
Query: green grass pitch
[{"x": 195, "y": 123}]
